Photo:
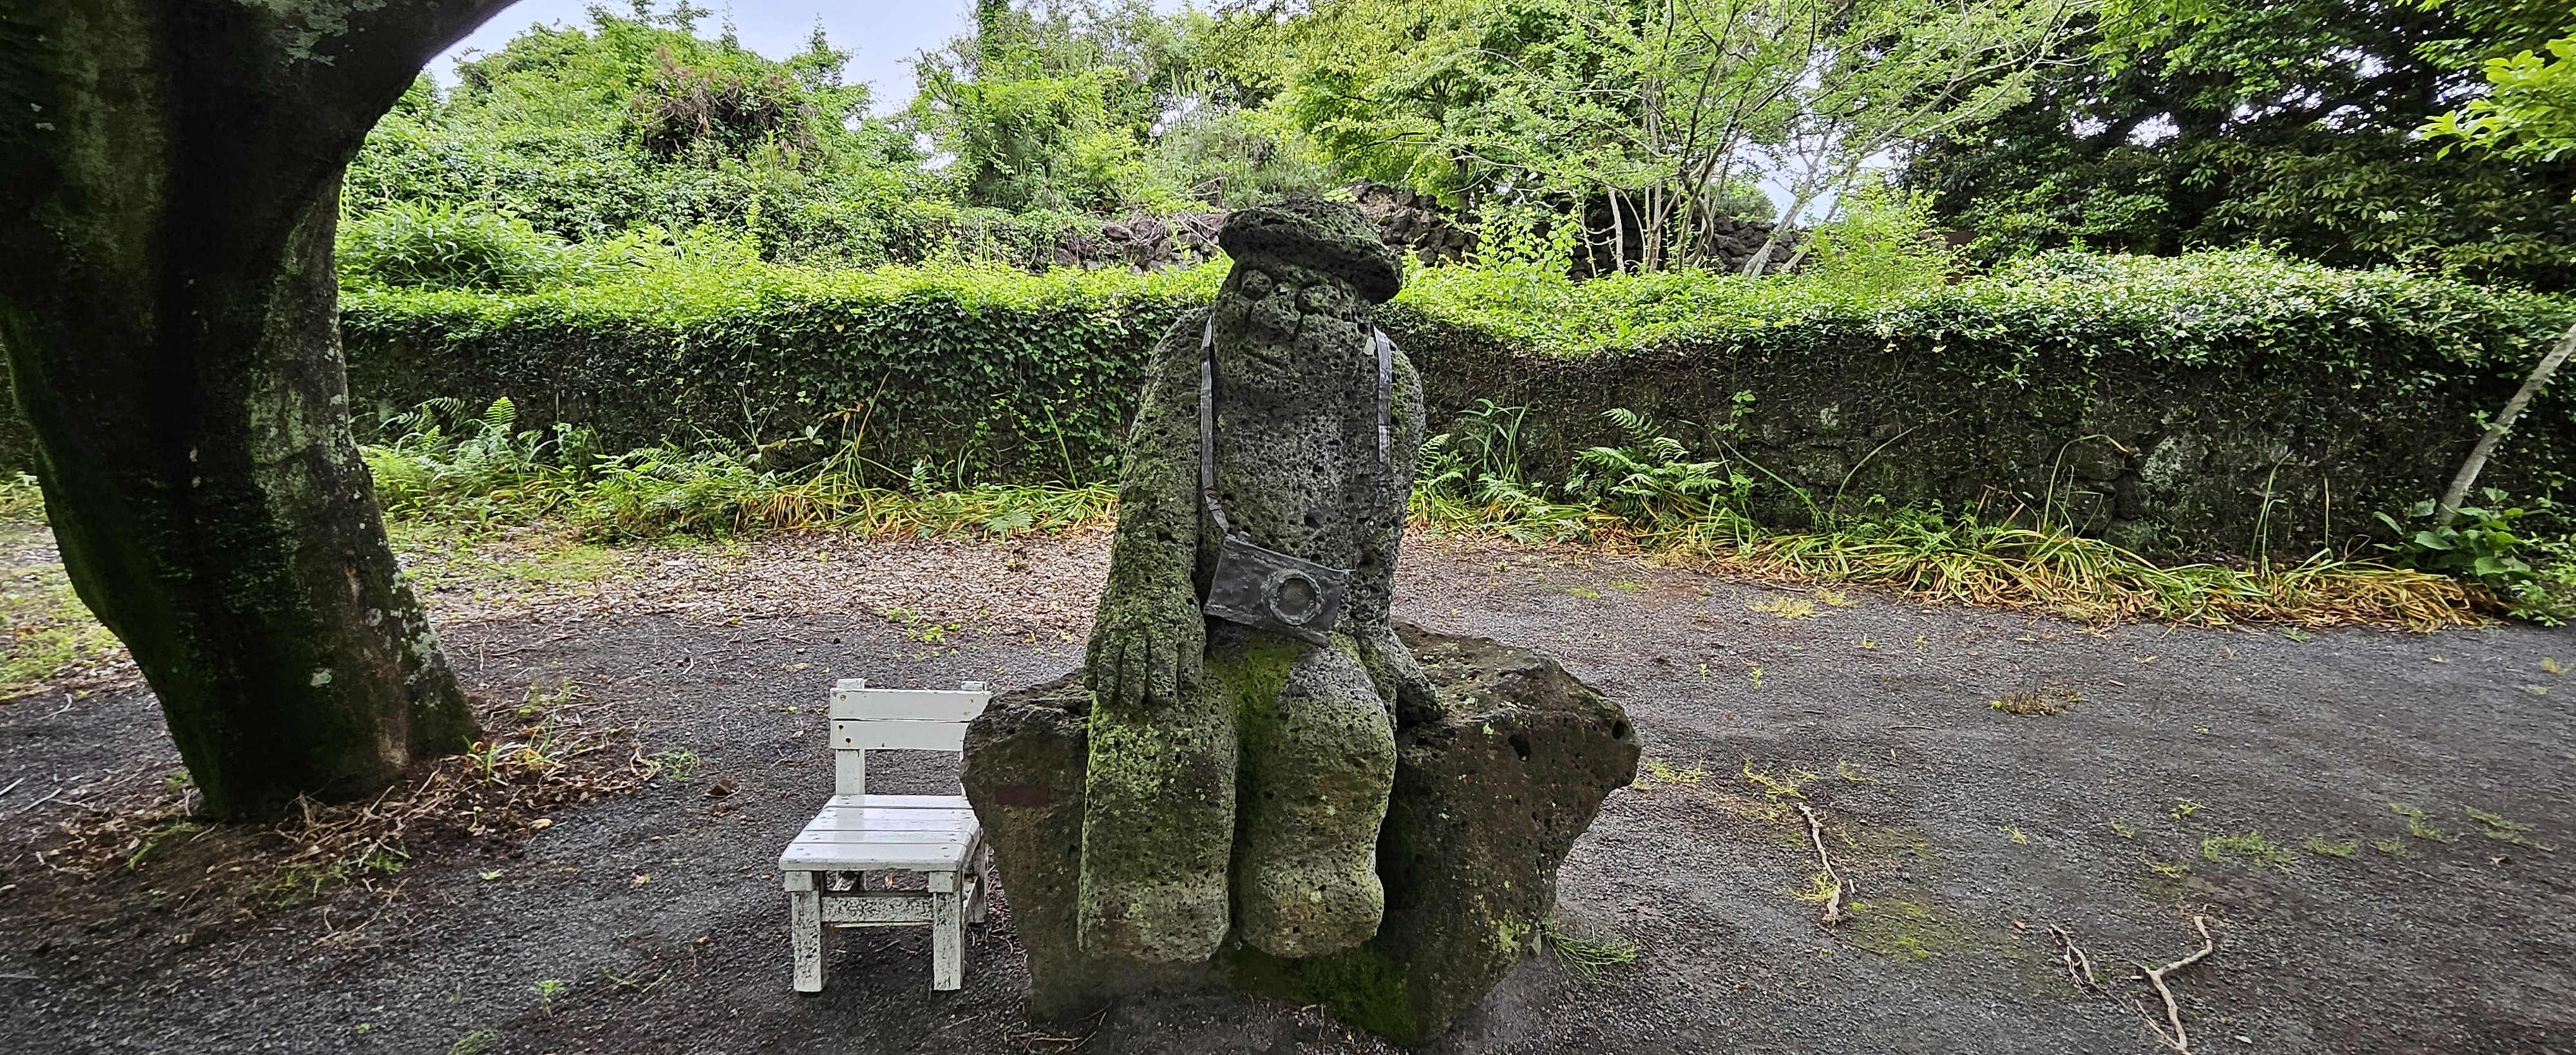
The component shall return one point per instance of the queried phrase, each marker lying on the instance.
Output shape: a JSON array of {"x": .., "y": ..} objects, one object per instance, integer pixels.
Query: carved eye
[
  {"x": 1321, "y": 298},
  {"x": 1255, "y": 284}
]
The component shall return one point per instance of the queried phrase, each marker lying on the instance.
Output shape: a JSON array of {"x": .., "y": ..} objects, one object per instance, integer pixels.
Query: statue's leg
[
  {"x": 1158, "y": 825},
  {"x": 1318, "y": 760}
]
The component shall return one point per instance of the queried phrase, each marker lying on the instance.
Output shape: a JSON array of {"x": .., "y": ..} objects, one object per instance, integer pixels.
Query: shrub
[{"x": 425, "y": 246}]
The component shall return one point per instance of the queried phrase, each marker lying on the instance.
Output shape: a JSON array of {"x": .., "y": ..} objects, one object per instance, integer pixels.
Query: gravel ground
[{"x": 2310, "y": 796}]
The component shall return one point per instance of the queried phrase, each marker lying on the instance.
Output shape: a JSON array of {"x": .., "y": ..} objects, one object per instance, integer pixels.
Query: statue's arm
[{"x": 1147, "y": 640}]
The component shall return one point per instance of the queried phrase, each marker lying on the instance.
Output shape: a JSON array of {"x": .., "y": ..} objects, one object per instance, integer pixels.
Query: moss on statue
[
  {"x": 1238, "y": 776},
  {"x": 1361, "y": 987}
]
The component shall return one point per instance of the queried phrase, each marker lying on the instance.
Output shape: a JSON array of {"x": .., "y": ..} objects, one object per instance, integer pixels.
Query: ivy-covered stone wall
[{"x": 2228, "y": 404}]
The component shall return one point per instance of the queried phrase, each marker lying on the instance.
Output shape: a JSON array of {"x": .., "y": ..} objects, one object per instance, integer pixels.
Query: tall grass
[
  {"x": 447, "y": 467},
  {"x": 19, "y": 497}
]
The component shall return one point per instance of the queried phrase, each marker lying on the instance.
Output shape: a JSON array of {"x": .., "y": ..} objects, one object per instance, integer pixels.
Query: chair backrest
[{"x": 865, "y": 719}]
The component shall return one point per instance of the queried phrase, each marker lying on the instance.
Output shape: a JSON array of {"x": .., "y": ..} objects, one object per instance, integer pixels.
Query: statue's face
[{"x": 1275, "y": 318}]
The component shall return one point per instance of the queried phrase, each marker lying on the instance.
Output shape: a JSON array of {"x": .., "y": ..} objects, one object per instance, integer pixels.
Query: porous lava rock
[{"x": 1489, "y": 795}]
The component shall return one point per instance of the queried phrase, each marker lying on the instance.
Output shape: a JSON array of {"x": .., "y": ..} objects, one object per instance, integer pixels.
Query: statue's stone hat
[{"x": 1329, "y": 236}]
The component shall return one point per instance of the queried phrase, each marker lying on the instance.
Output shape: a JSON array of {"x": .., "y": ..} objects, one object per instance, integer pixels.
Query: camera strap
[{"x": 1385, "y": 351}]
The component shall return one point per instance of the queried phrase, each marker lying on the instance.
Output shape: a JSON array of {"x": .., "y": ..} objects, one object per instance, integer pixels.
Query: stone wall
[
  {"x": 2167, "y": 458},
  {"x": 2174, "y": 459}
]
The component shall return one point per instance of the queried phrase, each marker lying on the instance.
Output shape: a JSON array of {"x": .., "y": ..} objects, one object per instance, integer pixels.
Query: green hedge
[
  {"x": 980, "y": 373},
  {"x": 2225, "y": 401}
]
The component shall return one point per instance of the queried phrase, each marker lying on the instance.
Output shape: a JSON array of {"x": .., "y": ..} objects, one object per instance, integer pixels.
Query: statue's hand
[
  {"x": 1399, "y": 676},
  {"x": 1146, "y": 648}
]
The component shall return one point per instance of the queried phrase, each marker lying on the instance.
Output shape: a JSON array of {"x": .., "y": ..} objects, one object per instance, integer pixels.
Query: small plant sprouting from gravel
[
  {"x": 678, "y": 764},
  {"x": 2048, "y": 700},
  {"x": 1785, "y": 608},
  {"x": 473, "y": 1043},
  {"x": 2319, "y": 844},
  {"x": 2497, "y": 828},
  {"x": 2249, "y": 848},
  {"x": 1775, "y": 788},
  {"x": 2419, "y": 826},
  {"x": 1659, "y": 772},
  {"x": 1588, "y": 954}
]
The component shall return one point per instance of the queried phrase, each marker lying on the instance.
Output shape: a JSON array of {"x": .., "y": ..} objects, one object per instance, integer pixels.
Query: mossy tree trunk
[{"x": 169, "y": 189}]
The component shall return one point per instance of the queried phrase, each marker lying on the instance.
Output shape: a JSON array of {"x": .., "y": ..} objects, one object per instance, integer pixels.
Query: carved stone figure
[{"x": 1245, "y": 676}]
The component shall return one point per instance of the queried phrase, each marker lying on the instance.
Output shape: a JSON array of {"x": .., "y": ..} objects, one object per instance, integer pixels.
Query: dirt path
[{"x": 2264, "y": 781}]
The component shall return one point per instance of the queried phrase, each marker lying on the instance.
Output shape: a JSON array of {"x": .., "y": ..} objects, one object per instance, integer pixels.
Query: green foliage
[
  {"x": 441, "y": 464},
  {"x": 1657, "y": 111},
  {"x": 1050, "y": 109},
  {"x": 636, "y": 124},
  {"x": 439, "y": 246},
  {"x": 954, "y": 373},
  {"x": 2484, "y": 545},
  {"x": 2178, "y": 124},
  {"x": 1881, "y": 246},
  {"x": 2246, "y": 308},
  {"x": 2530, "y": 108},
  {"x": 20, "y": 498}
]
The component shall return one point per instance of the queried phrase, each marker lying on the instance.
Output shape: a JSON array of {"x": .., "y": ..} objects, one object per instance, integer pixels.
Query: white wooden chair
[{"x": 857, "y": 833}]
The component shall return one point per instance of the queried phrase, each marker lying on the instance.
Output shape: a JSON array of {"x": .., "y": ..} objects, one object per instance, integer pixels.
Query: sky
[{"x": 880, "y": 35}]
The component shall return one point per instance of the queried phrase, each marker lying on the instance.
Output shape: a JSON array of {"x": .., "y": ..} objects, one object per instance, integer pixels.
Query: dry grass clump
[
  {"x": 2051, "y": 699},
  {"x": 2007, "y": 566}
]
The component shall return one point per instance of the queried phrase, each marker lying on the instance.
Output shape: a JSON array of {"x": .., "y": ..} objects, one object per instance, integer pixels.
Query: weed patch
[
  {"x": 2048, "y": 700},
  {"x": 2419, "y": 826},
  {"x": 1588, "y": 953},
  {"x": 1783, "y": 786},
  {"x": 1785, "y": 607},
  {"x": 1912, "y": 930},
  {"x": 1659, "y": 772},
  {"x": 2250, "y": 849},
  {"x": 1650, "y": 495},
  {"x": 2496, "y": 827}
]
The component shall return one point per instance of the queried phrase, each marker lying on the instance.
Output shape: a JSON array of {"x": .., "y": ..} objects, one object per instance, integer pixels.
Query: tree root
[
  {"x": 2178, "y": 1040},
  {"x": 1835, "y": 889},
  {"x": 2078, "y": 965}
]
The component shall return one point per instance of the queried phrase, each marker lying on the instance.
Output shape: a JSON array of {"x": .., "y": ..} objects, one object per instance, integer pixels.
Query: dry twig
[
  {"x": 1833, "y": 912},
  {"x": 2179, "y": 1041},
  {"x": 2078, "y": 965}
]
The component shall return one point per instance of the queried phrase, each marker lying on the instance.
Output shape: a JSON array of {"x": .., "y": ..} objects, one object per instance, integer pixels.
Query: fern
[{"x": 500, "y": 416}]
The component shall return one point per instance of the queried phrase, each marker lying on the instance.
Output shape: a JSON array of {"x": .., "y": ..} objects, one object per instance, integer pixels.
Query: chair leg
[
  {"x": 982, "y": 892},
  {"x": 947, "y": 942},
  {"x": 805, "y": 930}
]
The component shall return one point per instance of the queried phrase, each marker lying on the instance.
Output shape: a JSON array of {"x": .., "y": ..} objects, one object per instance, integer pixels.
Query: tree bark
[
  {"x": 2449, "y": 509},
  {"x": 169, "y": 317}
]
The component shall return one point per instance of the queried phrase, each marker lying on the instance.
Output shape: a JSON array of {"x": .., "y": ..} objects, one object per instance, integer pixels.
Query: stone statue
[{"x": 1245, "y": 678}]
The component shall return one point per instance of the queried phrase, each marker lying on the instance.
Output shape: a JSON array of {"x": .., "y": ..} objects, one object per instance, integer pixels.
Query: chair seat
[
  {"x": 903, "y": 802},
  {"x": 861, "y": 833}
]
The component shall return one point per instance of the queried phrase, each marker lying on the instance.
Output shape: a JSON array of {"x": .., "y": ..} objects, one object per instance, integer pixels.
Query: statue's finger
[
  {"x": 1193, "y": 659},
  {"x": 1131, "y": 674},
  {"x": 1162, "y": 664}
]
